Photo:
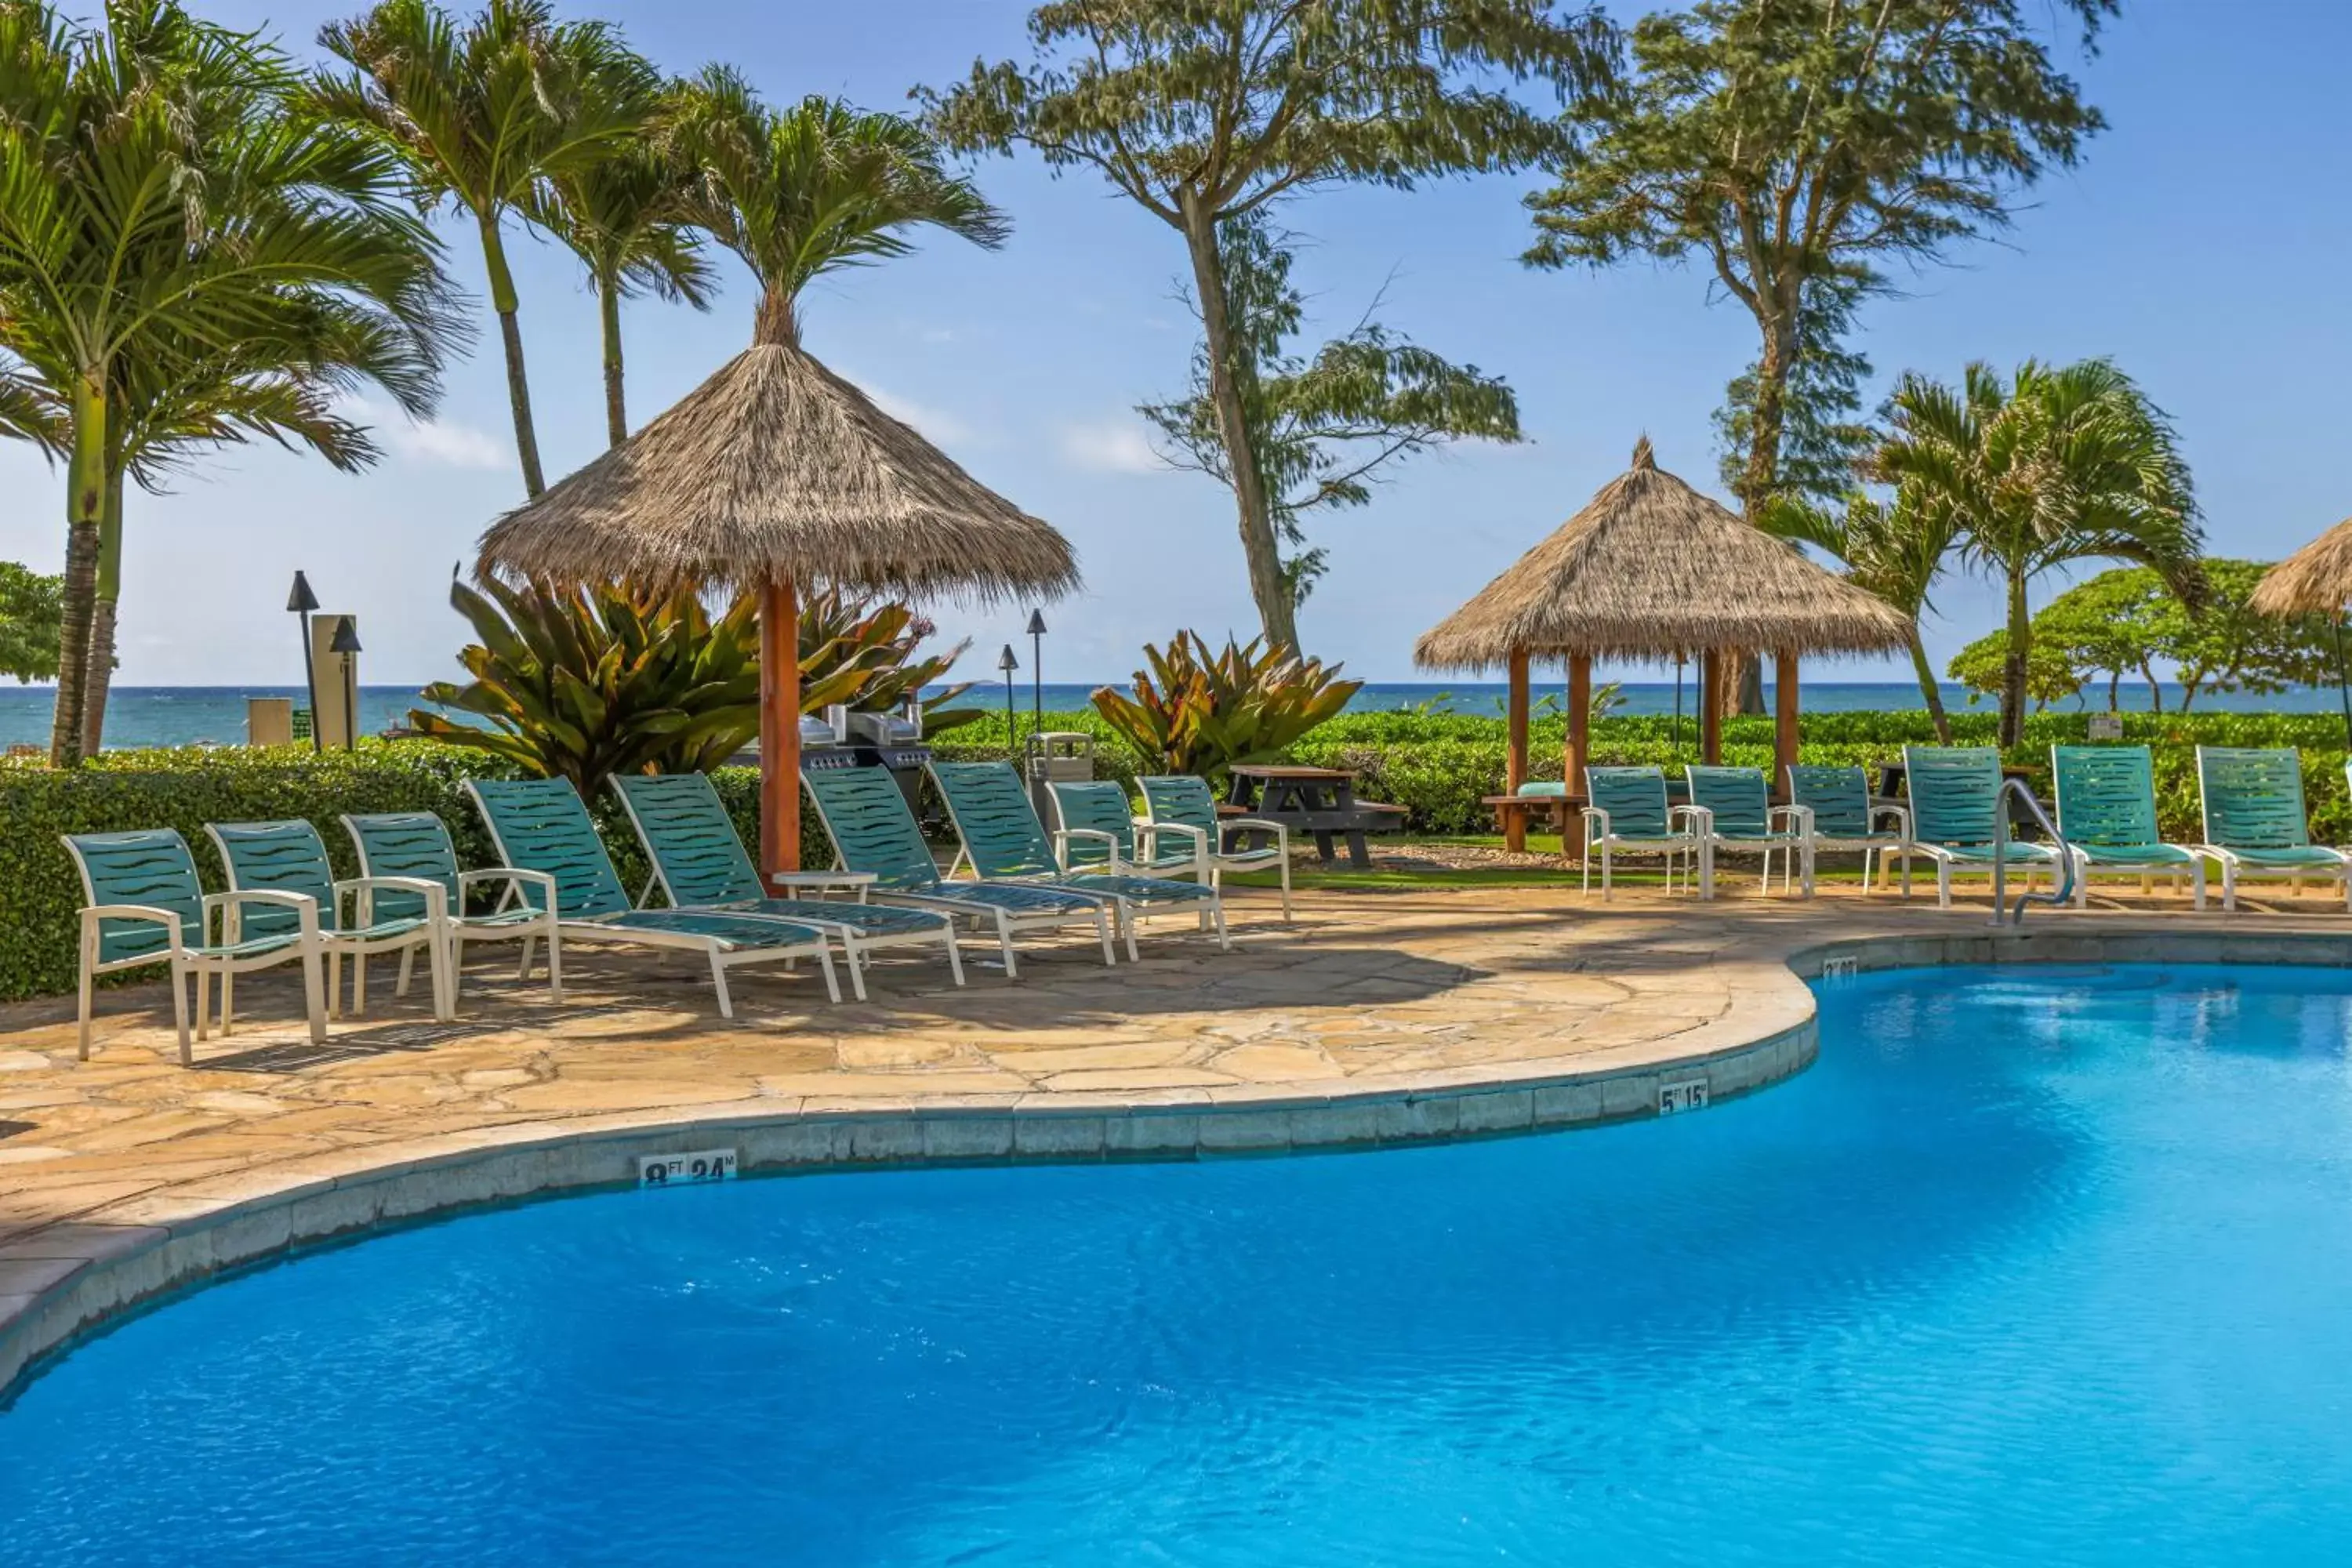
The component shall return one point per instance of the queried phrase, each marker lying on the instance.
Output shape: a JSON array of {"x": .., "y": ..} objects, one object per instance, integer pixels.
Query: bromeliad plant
[
  {"x": 1198, "y": 712},
  {"x": 584, "y": 684},
  {"x": 862, "y": 655}
]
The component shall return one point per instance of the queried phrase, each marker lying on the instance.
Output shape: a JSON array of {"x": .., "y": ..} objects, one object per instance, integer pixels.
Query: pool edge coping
[{"x": 106, "y": 1270}]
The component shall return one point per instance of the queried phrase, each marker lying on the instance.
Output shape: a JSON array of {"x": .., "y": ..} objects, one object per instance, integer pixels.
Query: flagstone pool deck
[{"x": 1376, "y": 1018}]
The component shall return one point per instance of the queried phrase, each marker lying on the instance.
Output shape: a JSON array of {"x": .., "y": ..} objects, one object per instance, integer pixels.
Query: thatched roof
[
  {"x": 1651, "y": 568},
  {"x": 2314, "y": 580},
  {"x": 775, "y": 467}
]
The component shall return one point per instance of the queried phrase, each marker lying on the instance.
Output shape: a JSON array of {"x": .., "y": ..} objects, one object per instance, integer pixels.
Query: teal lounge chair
[
  {"x": 873, "y": 832},
  {"x": 289, "y": 857},
  {"x": 542, "y": 825},
  {"x": 1005, "y": 842},
  {"x": 1625, "y": 813},
  {"x": 1732, "y": 811},
  {"x": 1097, "y": 831},
  {"x": 417, "y": 844},
  {"x": 2107, "y": 813},
  {"x": 141, "y": 904},
  {"x": 1844, "y": 820},
  {"x": 699, "y": 863},
  {"x": 1955, "y": 802},
  {"x": 1183, "y": 804},
  {"x": 2252, "y": 801}
]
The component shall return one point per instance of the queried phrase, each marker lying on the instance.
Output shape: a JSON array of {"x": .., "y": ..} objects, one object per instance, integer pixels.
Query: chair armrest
[
  {"x": 1901, "y": 814},
  {"x": 1596, "y": 822},
  {"x": 93, "y": 913},
  {"x": 1148, "y": 833},
  {"x": 1800, "y": 818},
  {"x": 1699, "y": 820},
  {"x": 1256, "y": 825},
  {"x": 436, "y": 896},
  {"x": 1064, "y": 836},
  {"x": 514, "y": 876},
  {"x": 305, "y": 908}
]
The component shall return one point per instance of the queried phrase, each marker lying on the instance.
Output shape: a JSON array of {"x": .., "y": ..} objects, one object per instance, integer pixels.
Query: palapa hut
[
  {"x": 1648, "y": 570},
  {"x": 2317, "y": 580},
  {"x": 772, "y": 474}
]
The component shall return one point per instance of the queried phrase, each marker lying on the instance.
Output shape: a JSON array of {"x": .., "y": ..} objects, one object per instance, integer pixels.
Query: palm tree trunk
[
  {"x": 1229, "y": 375},
  {"x": 616, "y": 411},
  {"x": 1931, "y": 693},
  {"x": 503, "y": 301},
  {"x": 2012, "y": 664},
  {"x": 85, "y": 510},
  {"x": 1760, "y": 476},
  {"x": 101, "y": 663}
]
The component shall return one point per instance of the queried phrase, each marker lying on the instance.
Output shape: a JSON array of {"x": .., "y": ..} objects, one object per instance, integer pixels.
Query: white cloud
[
  {"x": 935, "y": 423},
  {"x": 437, "y": 442},
  {"x": 1108, "y": 447}
]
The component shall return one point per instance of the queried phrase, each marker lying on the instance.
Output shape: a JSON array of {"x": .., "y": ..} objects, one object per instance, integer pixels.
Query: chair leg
[
  {"x": 407, "y": 962},
  {"x": 204, "y": 1003},
  {"x": 179, "y": 1015},
  {"x": 1606, "y": 891},
  {"x": 312, "y": 1002},
  {"x": 1224, "y": 943},
  {"x": 2228, "y": 888},
  {"x": 523, "y": 971},
  {"x": 1005, "y": 945},
  {"x": 81, "y": 1013},
  {"x": 1124, "y": 918},
  {"x": 228, "y": 1000},
  {"x": 2196, "y": 882},
  {"x": 1102, "y": 931},
  {"x": 334, "y": 988},
  {"x": 719, "y": 983},
  {"x": 1286, "y": 889},
  {"x": 359, "y": 985},
  {"x": 955, "y": 956},
  {"x": 554, "y": 962},
  {"x": 856, "y": 967},
  {"x": 1943, "y": 884}
]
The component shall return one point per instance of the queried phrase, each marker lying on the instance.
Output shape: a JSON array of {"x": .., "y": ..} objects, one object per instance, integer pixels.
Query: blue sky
[{"x": 2200, "y": 244}]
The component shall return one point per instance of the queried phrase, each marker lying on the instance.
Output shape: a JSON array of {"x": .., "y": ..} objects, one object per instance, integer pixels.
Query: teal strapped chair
[
  {"x": 2254, "y": 824},
  {"x": 1844, "y": 820},
  {"x": 1005, "y": 842},
  {"x": 2107, "y": 813},
  {"x": 417, "y": 844},
  {"x": 542, "y": 825},
  {"x": 1183, "y": 804},
  {"x": 1732, "y": 811},
  {"x": 699, "y": 863},
  {"x": 141, "y": 904},
  {"x": 873, "y": 832},
  {"x": 1955, "y": 804},
  {"x": 1625, "y": 813},
  {"x": 289, "y": 857},
  {"x": 1100, "y": 832}
]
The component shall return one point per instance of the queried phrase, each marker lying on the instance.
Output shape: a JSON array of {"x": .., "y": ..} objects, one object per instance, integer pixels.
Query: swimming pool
[{"x": 2035, "y": 1264}]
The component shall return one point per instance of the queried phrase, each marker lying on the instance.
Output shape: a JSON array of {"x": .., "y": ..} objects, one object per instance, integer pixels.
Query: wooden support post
[
  {"x": 780, "y": 730},
  {"x": 1515, "y": 762},
  {"x": 1784, "y": 719},
  {"x": 1710, "y": 707},
  {"x": 1579, "y": 720}
]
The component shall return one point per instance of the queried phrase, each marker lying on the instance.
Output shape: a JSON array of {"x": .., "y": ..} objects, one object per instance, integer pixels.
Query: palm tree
[
  {"x": 626, "y": 216},
  {"x": 486, "y": 114},
  {"x": 800, "y": 193},
  {"x": 2057, "y": 465},
  {"x": 1894, "y": 551},
  {"x": 162, "y": 195}
]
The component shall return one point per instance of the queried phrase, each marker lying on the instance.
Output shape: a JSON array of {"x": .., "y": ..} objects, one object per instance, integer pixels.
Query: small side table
[{"x": 816, "y": 884}]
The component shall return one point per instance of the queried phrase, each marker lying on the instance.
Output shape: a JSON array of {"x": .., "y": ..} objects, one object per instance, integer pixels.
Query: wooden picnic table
[{"x": 1320, "y": 801}]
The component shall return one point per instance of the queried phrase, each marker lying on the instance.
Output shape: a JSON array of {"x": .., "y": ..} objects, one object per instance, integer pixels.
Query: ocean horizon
[{"x": 138, "y": 716}]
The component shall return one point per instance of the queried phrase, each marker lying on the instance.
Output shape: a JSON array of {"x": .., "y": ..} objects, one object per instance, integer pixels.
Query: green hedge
[{"x": 187, "y": 789}]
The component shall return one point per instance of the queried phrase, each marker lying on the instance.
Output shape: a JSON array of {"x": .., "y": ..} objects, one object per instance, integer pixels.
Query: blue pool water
[{"x": 2048, "y": 1267}]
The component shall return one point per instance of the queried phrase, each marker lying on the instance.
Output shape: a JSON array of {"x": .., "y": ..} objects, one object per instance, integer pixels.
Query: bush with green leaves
[{"x": 1194, "y": 712}]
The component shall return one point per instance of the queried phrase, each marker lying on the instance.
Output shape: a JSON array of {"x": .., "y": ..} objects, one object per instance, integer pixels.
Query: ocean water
[
  {"x": 2034, "y": 1266},
  {"x": 190, "y": 715}
]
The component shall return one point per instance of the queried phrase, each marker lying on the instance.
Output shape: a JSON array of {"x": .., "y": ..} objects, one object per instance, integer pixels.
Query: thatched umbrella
[
  {"x": 2317, "y": 580},
  {"x": 1648, "y": 570},
  {"x": 774, "y": 473}
]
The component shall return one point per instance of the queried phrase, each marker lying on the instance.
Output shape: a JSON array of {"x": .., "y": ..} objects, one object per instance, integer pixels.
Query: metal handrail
[{"x": 2064, "y": 890}]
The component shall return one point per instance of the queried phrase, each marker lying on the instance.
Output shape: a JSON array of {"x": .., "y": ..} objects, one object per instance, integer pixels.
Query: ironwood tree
[{"x": 1204, "y": 111}]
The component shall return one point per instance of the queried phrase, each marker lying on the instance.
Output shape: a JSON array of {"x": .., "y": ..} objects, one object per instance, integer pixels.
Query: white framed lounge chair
[
  {"x": 417, "y": 844},
  {"x": 1732, "y": 813},
  {"x": 2252, "y": 801},
  {"x": 1844, "y": 819},
  {"x": 2106, "y": 797},
  {"x": 542, "y": 826},
  {"x": 1625, "y": 813},
  {"x": 1183, "y": 803},
  {"x": 1955, "y": 802}
]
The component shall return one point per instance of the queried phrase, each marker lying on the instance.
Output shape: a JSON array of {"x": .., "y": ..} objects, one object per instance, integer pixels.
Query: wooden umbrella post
[
  {"x": 1710, "y": 707},
  {"x": 1784, "y": 718},
  {"x": 1514, "y": 761},
  {"x": 1579, "y": 720},
  {"x": 780, "y": 729}
]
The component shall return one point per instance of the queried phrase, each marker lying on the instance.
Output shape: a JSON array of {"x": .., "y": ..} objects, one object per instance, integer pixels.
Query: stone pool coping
[{"x": 64, "y": 1281}]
